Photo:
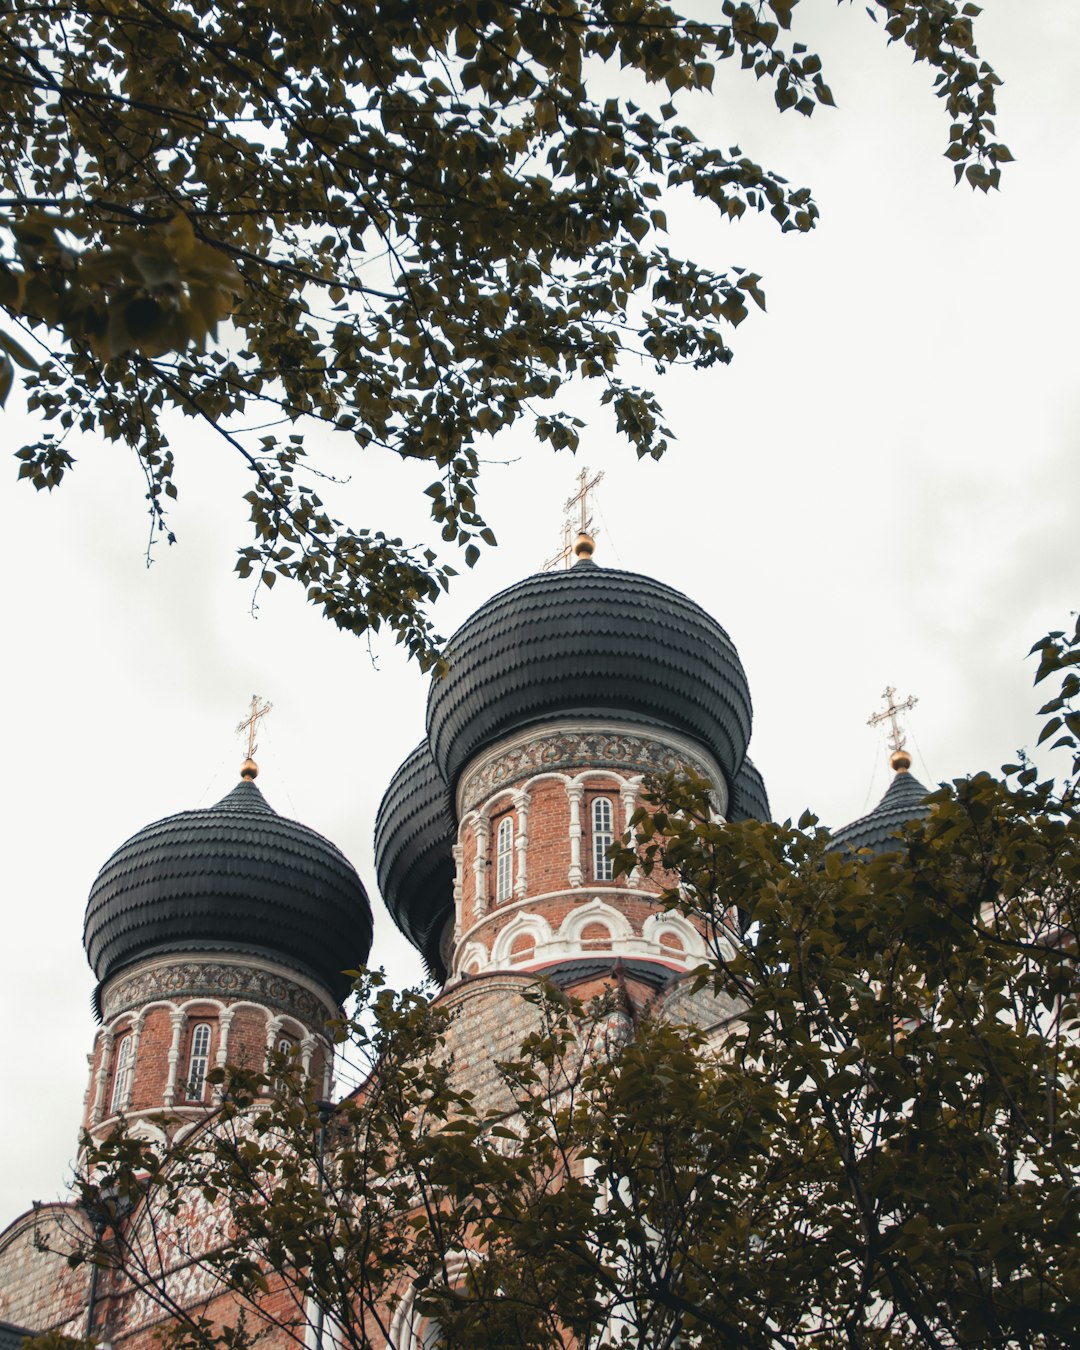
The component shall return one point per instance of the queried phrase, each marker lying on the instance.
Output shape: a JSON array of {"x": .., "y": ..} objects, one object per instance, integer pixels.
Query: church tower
[
  {"x": 217, "y": 935},
  {"x": 564, "y": 692}
]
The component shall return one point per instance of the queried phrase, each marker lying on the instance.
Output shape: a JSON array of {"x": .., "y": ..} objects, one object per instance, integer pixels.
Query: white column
[
  {"x": 102, "y": 1074},
  {"x": 177, "y": 1019},
  {"x": 273, "y": 1026},
  {"x": 574, "y": 794},
  {"x": 458, "y": 852},
  {"x": 307, "y": 1049},
  {"x": 628, "y": 793},
  {"x": 136, "y": 1032},
  {"x": 224, "y": 1023},
  {"x": 481, "y": 832},
  {"x": 521, "y": 843}
]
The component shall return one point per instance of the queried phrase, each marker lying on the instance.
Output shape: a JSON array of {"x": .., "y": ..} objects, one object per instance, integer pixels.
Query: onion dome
[
  {"x": 230, "y": 878},
  {"x": 904, "y": 801},
  {"x": 749, "y": 800},
  {"x": 585, "y": 643},
  {"x": 414, "y": 835}
]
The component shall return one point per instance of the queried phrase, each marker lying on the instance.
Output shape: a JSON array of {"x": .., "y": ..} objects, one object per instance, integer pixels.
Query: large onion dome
[
  {"x": 585, "y": 643},
  {"x": 414, "y": 835},
  {"x": 877, "y": 831},
  {"x": 749, "y": 800},
  {"x": 230, "y": 878}
]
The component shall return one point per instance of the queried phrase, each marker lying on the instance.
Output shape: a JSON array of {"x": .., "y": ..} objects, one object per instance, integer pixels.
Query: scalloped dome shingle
[
  {"x": 749, "y": 800},
  {"x": 234, "y": 877},
  {"x": 589, "y": 642},
  {"x": 904, "y": 801},
  {"x": 414, "y": 837}
]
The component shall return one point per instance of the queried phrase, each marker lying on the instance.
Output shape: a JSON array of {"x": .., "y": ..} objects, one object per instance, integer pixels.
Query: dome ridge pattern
[
  {"x": 233, "y": 877},
  {"x": 877, "y": 830},
  {"x": 589, "y": 642}
]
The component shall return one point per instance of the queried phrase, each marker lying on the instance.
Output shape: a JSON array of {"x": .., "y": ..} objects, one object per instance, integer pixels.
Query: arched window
[
  {"x": 198, "y": 1062},
  {"x": 504, "y": 859},
  {"x": 603, "y": 836},
  {"x": 122, "y": 1070}
]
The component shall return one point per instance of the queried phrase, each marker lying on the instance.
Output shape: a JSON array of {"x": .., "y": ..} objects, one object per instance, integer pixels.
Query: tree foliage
[
  {"x": 880, "y": 1149},
  {"x": 408, "y": 223}
]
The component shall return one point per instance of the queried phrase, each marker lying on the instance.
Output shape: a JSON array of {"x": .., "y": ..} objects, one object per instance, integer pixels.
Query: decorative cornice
[
  {"x": 575, "y": 745},
  {"x": 234, "y": 979}
]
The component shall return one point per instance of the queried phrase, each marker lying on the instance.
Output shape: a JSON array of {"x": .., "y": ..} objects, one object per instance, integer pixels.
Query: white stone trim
[
  {"x": 406, "y": 1325},
  {"x": 567, "y": 944},
  {"x": 574, "y": 895},
  {"x": 678, "y": 926},
  {"x": 521, "y": 843},
  {"x": 686, "y": 749},
  {"x": 575, "y": 794},
  {"x": 532, "y": 925}
]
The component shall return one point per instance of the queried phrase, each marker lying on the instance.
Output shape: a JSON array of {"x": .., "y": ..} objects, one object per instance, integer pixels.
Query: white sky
[{"x": 879, "y": 490}]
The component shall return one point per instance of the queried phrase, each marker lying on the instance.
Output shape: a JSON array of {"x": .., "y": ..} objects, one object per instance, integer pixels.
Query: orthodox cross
[
  {"x": 892, "y": 713},
  {"x": 579, "y": 502},
  {"x": 251, "y": 722}
]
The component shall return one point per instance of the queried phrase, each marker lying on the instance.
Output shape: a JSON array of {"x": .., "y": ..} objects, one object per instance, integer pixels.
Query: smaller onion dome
[
  {"x": 904, "y": 801},
  {"x": 230, "y": 878},
  {"x": 414, "y": 835},
  {"x": 584, "y": 643},
  {"x": 749, "y": 800}
]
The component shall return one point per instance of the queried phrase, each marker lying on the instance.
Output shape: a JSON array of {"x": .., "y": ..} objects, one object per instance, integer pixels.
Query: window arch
[
  {"x": 122, "y": 1071},
  {"x": 504, "y": 860},
  {"x": 198, "y": 1061},
  {"x": 603, "y": 836}
]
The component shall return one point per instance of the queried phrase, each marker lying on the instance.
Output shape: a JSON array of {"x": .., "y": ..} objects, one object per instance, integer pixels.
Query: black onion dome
[
  {"x": 583, "y": 643},
  {"x": 877, "y": 831},
  {"x": 749, "y": 800},
  {"x": 235, "y": 877},
  {"x": 414, "y": 835}
]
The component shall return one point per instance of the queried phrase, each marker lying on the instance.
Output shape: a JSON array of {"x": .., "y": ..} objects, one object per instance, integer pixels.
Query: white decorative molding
[
  {"x": 481, "y": 835},
  {"x": 178, "y": 1018},
  {"x": 597, "y": 911},
  {"x": 102, "y": 1074},
  {"x": 551, "y": 948},
  {"x": 565, "y": 746},
  {"x": 521, "y": 843},
  {"x": 531, "y": 925},
  {"x": 236, "y": 977},
  {"x": 575, "y": 792},
  {"x": 408, "y": 1326},
  {"x": 474, "y": 955},
  {"x": 690, "y": 940}
]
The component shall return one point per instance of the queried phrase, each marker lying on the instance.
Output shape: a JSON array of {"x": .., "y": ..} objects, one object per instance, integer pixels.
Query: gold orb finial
[
  {"x": 583, "y": 549},
  {"x": 900, "y": 761},
  {"x": 249, "y": 770}
]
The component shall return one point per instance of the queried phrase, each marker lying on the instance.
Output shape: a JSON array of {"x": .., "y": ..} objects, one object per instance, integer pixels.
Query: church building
[{"x": 221, "y": 934}]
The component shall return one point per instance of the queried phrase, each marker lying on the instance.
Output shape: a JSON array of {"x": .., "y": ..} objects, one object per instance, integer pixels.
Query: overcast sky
[{"x": 880, "y": 490}]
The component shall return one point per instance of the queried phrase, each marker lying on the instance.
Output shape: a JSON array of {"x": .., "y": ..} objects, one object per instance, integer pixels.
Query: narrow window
[
  {"x": 603, "y": 836},
  {"x": 121, "y": 1075},
  {"x": 197, "y": 1064},
  {"x": 504, "y": 860}
]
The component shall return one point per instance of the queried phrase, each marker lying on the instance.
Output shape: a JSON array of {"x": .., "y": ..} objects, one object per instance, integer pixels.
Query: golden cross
[
  {"x": 892, "y": 713},
  {"x": 579, "y": 499},
  {"x": 251, "y": 722}
]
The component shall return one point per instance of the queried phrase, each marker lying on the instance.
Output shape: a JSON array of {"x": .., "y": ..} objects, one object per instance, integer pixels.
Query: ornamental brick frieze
[
  {"x": 567, "y": 751},
  {"x": 213, "y": 979}
]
